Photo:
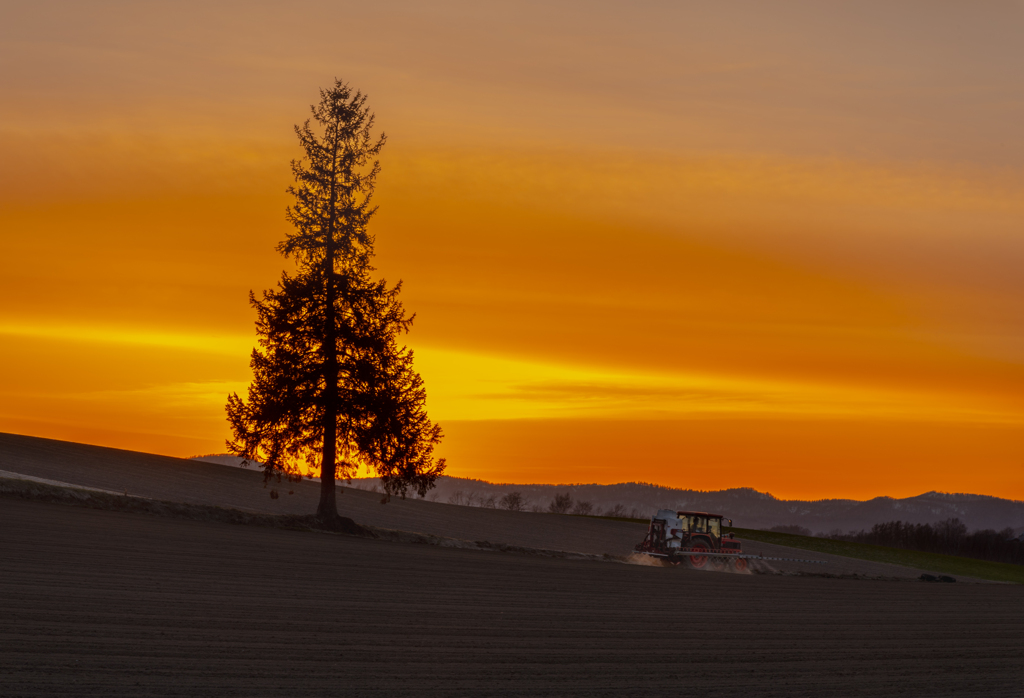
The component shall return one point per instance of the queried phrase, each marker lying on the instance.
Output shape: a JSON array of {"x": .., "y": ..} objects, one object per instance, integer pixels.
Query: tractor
[{"x": 693, "y": 537}]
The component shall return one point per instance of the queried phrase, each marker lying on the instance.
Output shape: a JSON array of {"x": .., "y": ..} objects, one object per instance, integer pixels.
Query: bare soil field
[
  {"x": 108, "y": 603},
  {"x": 195, "y": 482}
]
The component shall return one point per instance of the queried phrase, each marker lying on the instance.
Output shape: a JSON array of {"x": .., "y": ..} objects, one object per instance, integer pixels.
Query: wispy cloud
[
  {"x": 491, "y": 387},
  {"x": 232, "y": 345}
]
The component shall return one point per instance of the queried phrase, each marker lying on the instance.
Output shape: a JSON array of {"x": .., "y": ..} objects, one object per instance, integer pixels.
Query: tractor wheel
[
  {"x": 739, "y": 564},
  {"x": 699, "y": 561}
]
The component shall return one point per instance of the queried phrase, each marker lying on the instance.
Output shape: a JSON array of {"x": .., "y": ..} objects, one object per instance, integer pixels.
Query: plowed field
[{"x": 106, "y": 603}]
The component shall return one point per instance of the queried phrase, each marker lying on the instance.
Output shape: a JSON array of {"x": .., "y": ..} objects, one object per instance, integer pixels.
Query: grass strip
[{"x": 932, "y": 562}]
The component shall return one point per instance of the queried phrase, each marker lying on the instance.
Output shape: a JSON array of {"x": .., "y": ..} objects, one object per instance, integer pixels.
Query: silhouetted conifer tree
[{"x": 332, "y": 389}]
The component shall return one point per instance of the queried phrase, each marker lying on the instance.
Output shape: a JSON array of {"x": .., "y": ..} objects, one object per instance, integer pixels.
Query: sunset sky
[{"x": 777, "y": 245}]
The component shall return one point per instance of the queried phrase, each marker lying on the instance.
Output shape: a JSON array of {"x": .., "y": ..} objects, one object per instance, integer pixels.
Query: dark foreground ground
[{"x": 106, "y": 603}]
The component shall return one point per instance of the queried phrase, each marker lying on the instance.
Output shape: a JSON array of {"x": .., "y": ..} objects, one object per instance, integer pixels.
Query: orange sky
[{"x": 704, "y": 247}]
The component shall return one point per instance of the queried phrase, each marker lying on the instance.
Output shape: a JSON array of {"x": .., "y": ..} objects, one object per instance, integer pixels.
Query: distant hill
[{"x": 746, "y": 506}]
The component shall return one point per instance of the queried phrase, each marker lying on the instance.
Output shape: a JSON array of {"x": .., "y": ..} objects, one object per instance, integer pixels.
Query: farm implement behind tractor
[{"x": 695, "y": 537}]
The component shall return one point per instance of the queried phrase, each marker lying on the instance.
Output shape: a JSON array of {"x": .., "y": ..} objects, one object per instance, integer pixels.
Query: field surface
[
  {"x": 107, "y": 603},
  {"x": 99, "y": 602}
]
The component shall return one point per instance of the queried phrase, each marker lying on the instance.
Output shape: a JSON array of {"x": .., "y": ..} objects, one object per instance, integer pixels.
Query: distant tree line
[
  {"x": 517, "y": 501},
  {"x": 949, "y": 537},
  {"x": 792, "y": 529}
]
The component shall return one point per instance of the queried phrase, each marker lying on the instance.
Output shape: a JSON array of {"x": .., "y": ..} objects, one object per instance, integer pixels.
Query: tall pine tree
[{"x": 332, "y": 388}]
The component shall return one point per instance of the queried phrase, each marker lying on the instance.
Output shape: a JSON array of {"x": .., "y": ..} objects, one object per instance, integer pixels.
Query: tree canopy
[{"x": 332, "y": 387}]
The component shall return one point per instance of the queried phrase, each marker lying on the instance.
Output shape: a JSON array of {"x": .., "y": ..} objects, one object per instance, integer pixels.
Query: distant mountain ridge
[{"x": 747, "y": 507}]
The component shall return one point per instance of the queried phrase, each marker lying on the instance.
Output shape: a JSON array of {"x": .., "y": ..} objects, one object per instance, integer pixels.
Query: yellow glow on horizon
[
  {"x": 132, "y": 336},
  {"x": 467, "y": 385},
  {"x": 478, "y": 386}
]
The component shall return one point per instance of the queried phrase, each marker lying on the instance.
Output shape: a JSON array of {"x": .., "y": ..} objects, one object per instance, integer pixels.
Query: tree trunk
[{"x": 327, "y": 511}]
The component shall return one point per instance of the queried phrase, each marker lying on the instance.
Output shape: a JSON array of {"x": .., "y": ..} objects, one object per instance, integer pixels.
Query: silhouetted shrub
[
  {"x": 618, "y": 511},
  {"x": 513, "y": 501},
  {"x": 561, "y": 504},
  {"x": 583, "y": 508}
]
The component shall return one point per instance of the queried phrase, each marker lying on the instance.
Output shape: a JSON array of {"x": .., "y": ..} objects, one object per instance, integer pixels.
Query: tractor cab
[
  {"x": 703, "y": 525},
  {"x": 695, "y": 525}
]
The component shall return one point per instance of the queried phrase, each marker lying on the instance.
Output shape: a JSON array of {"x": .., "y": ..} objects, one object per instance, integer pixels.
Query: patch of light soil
[{"x": 18, "y": 476}]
